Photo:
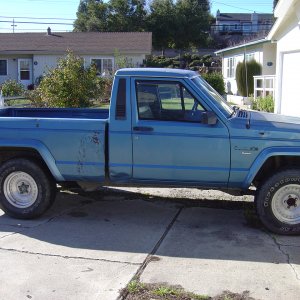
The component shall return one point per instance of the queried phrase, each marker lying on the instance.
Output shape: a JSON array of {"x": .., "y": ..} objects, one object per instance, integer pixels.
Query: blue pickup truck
[{"x": 164, "y": 128}]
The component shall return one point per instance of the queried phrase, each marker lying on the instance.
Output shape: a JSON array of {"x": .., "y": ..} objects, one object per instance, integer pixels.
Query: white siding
[
  {"x": 42, "y": 63},
  {"x": 288, "y": 66},
  {"x": 263, "y": 53},
  {"x": 269, "y": 56},
  {"x": 12, "y": 66}
]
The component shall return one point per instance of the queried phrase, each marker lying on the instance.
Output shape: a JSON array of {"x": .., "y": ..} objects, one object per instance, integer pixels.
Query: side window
[{"x": 166, "y": 101}]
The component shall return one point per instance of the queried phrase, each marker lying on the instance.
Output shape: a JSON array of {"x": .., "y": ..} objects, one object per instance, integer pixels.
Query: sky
[{"x": 33, "y": 12}]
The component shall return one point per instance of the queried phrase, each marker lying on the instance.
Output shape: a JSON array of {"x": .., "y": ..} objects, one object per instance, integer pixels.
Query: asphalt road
[{"x": 90, "y": 246}]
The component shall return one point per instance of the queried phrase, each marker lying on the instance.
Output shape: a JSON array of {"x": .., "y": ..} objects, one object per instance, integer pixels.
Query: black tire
[
  {"x": 26, "y": 190},
  {"x": 278, "y": 202}
]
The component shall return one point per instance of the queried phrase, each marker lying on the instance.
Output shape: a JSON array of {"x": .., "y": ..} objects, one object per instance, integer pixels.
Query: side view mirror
[{"x": 209, "y": 118}]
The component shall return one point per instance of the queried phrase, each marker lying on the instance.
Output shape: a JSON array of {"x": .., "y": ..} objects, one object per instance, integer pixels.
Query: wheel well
[
  {"x": 273, "y": 164},
  {"x": 8, "y": 153}
]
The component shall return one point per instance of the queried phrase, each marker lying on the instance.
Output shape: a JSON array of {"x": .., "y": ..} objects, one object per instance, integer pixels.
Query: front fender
[
  {"x": 40, "y": 148},
  {"x": 263, "y": 156}
]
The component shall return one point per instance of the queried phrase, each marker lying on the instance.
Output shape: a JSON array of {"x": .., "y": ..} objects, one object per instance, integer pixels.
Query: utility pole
[{"x": 13, "y": 25}]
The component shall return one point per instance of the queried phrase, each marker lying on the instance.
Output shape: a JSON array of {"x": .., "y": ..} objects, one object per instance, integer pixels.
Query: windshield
[{"x": 218, "y": 99}]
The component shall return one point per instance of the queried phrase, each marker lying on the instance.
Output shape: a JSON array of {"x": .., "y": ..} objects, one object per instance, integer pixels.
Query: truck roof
[{"x": 156, "y": 72}]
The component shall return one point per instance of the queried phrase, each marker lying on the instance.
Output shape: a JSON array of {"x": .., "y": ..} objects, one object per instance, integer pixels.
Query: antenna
[{"x": 13, "y": 25}]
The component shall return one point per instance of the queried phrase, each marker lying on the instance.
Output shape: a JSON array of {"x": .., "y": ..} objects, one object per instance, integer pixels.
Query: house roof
[
  {"x": 243, "y": 17},
  {"x": 282, "y": 12},
  {"x": 78, "y": 42},
  {"x": 256, "y": 42}
]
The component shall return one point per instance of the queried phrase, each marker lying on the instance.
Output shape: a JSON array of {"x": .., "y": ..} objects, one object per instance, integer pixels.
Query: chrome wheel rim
[
  {"x": 286, "y": 204},
  {"x": 20, "y": 189}
]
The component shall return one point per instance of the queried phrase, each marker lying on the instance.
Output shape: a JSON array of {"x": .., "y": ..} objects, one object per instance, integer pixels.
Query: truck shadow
[{"x": 126, "y": 226}]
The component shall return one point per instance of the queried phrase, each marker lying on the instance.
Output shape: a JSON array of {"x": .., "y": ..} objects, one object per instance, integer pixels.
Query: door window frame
[
  {"x": 174, "y": 81},
  {"x": 30, "y": 80}
]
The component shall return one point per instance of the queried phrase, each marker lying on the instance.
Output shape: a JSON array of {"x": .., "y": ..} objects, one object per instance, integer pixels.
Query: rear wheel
[
  {"x": 278, "y": 202},
  {"x": 26, "y": 190}
]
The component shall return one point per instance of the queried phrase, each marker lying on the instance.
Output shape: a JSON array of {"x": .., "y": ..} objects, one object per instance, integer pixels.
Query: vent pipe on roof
[{"x": 48, "y": 31}]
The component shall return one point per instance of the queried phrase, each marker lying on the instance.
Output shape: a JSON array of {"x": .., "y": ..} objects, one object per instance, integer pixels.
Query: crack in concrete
[
  {"x": 149, "y": 257},
  {"x": 69, "y": 257},
  {"x": 284, "y": 245},
  {"x": 288, "y": 259},
  {"x": 9, "y": 234}
]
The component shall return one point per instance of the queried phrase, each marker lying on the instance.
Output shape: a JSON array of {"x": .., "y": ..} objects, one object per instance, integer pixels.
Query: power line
[
  {"x": 34, "y": 29},
  {"x": 45, "y": 23},
  {"x": 36, "y": 18},
  {"x": 252, "y": 10}
]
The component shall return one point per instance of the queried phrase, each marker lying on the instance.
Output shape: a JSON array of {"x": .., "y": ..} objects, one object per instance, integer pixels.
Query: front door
[
  {"x": 25, "y": 71},
  {"x": 170, "y": 144}
]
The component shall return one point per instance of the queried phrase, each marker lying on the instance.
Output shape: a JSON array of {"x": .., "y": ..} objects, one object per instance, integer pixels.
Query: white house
[
  {"x": 26, "y": 56},
  {"x": 242, "y": 23},
  {"x": 286, "y": 33},
  {"x": 262, "y": 50}
]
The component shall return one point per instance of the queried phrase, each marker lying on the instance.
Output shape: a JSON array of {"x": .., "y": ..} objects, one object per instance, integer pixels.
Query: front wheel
[
  {"x": 278, "y": 202},
  {"x": 26, "y": 190}
]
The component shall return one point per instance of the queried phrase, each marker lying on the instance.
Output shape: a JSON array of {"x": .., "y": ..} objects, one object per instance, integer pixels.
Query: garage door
[{"x": 290, "y": 97}]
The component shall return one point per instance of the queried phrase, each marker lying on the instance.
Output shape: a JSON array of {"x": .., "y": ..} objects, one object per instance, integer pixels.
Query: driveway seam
[
  {"x": 149, "y": 257},
  {"x": 9, "y": 234},
  {"x": 69, "y": 257},
  {"x": 288, "y": 259}
]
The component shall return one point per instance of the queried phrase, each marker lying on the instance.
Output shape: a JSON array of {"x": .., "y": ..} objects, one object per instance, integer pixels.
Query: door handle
[{"x": 142, "y": 128}]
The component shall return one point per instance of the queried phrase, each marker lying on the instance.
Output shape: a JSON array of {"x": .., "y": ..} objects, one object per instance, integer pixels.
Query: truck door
[{"x": 170, "y": 144}]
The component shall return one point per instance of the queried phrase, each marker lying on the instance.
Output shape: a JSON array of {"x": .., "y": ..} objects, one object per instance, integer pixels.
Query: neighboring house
[
  {"x": 242, "y": 23},
  {"x": 27, "y": 56},
  {"x": 286, "y": 33},
  {"x": 262, "y": 50}
]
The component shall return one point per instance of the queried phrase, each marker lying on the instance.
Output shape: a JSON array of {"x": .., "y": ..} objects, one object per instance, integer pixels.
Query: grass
[
  {"x": 18, "y": 102},
  {"x": 136, "y": 290}
]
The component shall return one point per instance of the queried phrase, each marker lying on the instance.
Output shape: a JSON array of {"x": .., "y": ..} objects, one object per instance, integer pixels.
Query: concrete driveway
[{"x": 91, "y": 246}]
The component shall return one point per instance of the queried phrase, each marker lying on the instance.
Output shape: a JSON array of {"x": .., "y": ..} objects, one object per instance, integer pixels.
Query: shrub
[
  {"x": 35, "y": 98},
  {"x": 70, "y": 84},
  {"x": 11, "y": 88},
  {"x": 263, "y": 103},
  {"x": 216, "y": 81},
  {"x": 244, "y": 76},
  {"x": 196, "y": 57},
  {"x": 196, "y": 63}
]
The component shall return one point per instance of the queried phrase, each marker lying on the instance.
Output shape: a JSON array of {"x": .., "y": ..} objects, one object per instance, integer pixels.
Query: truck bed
[
  {"x": 78, "y": 113},
  {"x": 73, "y": 138}
]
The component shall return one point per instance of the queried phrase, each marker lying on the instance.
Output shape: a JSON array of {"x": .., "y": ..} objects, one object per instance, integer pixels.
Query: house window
[
  {"x": 230, "y": 67},
  {"x": 250, "y": 57},
  {"x": 3, "y": 67},
  {"x": 247, "y": 27},
  {"x": 104, "y": 66}
]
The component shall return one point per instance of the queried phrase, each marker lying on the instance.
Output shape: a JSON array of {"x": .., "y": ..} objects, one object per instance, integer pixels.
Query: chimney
[{"x": 48, "y": 31}]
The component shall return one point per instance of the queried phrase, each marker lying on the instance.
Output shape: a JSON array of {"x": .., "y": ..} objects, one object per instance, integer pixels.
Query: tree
[
  {"x": 92, "y": 15},
  {"x": 161, "y": 22},
  {"x": 70, "y": 84},
  {"x": 192, "y": 23},
  {"x": 115, "y": 15},
  {"x": 126, "y": 15}
]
